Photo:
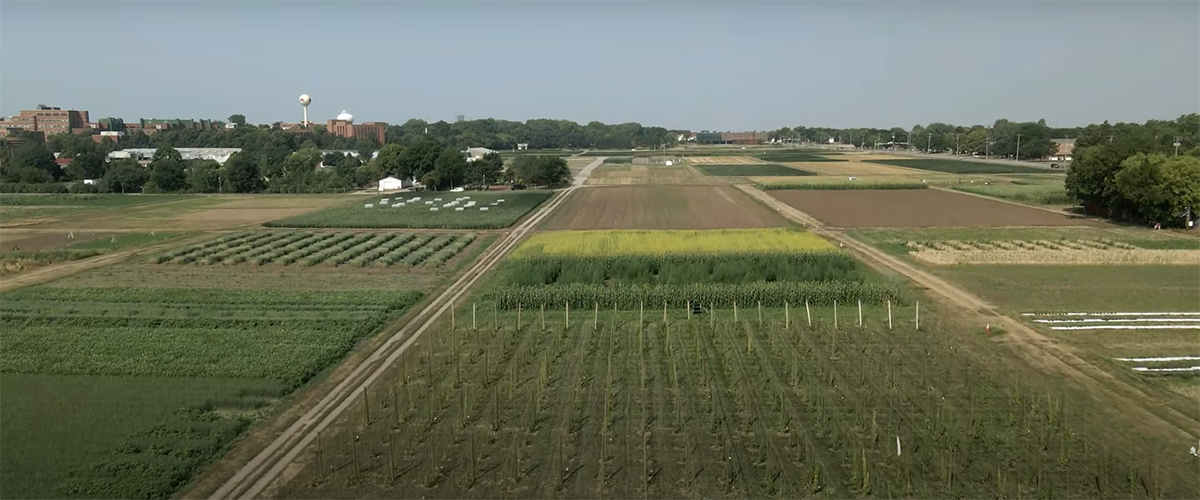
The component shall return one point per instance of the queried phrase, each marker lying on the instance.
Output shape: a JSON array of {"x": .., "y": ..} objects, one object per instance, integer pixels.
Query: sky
[{"x": 725, "y": 66}]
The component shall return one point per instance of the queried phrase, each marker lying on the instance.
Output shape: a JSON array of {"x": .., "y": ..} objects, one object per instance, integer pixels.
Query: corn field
[
  {"x": 599, "y": 403},
  {"x": 323, "y": 248},
  {"x": 631, "y": 242}
]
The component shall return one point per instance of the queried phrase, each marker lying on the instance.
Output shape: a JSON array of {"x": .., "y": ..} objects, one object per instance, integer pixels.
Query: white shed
[{"x": 390, "y": 183}]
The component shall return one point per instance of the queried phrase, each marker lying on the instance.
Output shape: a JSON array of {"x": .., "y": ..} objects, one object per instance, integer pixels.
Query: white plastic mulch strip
[
  {"x": 1165, "y": 358},
  {"x": 1184, "y": 369},
  {"x": 1116, "y": 314},
  {"x": 1120, "y": 320},
  {"x": 1128, "y": 327}
]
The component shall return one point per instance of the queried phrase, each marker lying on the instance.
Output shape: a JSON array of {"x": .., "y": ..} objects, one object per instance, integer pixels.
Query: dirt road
[
  {"x": 1035, "y": 347},
  {"x": 47, "y": 273},
  {"x": 271, "y": 464}
]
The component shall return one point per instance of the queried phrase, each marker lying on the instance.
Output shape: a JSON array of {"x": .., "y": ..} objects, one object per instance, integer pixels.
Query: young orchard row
[
  {"x": 325, "y": 248},
  {"x": 613, "y": 406}
]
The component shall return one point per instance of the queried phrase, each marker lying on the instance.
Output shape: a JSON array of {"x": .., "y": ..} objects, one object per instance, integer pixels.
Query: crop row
[
  {"x": 682, "y": 268},
  {"x": 840, "y": 186},
  {"x": 415, "y": 215},
  {"x": 1063, "y": 252},
  {"x": 776, "y": 294},
  {"x": 309, "y": 249}
]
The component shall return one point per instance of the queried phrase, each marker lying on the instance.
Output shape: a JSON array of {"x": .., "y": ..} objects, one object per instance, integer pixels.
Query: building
[
  {"x": 48, "y": 120},
  {"x": 521, "y": 146},
  {"x": 476, "y": 153},
  {"x": 152, "y": 125},
  {"x": 1065, "y": 149},
  {"x": 460, "y": 118},
  {"x": 391, "y": 183},
  {"x": 220, "y": 155},
  {"x": 16, "y": 136},
  {"x": 344, "y": 126}
]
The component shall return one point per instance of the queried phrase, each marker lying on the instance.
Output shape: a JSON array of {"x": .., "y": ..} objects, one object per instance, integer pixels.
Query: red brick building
[
  {"x": 344, "y": 126},
  {"x": 49, "y": 120}
]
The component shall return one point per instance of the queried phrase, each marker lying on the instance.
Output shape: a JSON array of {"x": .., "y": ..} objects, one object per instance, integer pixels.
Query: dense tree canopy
[
  {"x": 1136, "y": 171},
  {"x": 541, "y": 170}
]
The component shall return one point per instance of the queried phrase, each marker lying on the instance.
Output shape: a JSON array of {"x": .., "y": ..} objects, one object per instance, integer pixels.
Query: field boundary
[
  {"x": 1037, "y": 348},
  {"x": 252, "y": 478}
]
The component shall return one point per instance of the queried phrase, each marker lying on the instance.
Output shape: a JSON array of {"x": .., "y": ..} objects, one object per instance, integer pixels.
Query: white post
[
  {"x": 860, "y": 313},
  {"x": 735, "y": 311},
  {"x": 568, "y": 313},
  {"x": 889, "y": 314},
  {"x": 918, "y": 315},
  {"x": 452, "y": 316},
  {"x": 835, "y": 315},
  {"x": 787, "y": 318},
  {"x": 472, "y": 315},
  {"x": 808, "y": 312}
]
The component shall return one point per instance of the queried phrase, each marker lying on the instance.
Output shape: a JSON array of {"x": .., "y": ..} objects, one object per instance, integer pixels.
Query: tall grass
[
  {"x": 681, "y": 269},
  {"x": 774, "y": 294},
  {"x": 632, "y": 242}
]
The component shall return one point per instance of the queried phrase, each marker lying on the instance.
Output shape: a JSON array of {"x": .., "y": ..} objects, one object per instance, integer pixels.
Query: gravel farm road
[{"x": 254, "y": 477}]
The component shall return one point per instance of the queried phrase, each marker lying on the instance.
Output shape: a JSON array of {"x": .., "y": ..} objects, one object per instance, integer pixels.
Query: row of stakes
[{"x": 641, "y": 314}]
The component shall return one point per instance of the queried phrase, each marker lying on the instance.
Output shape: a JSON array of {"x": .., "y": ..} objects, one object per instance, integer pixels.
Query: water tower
[{"x": 304, "y": 101}]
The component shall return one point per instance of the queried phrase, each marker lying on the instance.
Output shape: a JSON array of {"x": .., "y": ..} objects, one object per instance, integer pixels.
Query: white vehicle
[{"x": 456, "y": 190}]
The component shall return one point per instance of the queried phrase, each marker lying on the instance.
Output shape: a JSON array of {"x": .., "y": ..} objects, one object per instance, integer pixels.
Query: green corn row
[
  {"x": 450, "y": 250},
  {"x": 302, "y": 252},
  {"x": 381, "y": 250},
  {"x": 426, "y": 251},
  {"x": 280, "y": 251},
  {"x": 401, "y": 252}
]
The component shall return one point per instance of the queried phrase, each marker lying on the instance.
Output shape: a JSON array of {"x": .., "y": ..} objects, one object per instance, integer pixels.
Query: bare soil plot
[
  {"x": 919, "y": 208},
  {"x": 841, "y": 168},
  {"x": 662, "y": 207},
  {"x": 624, "y": 175}
]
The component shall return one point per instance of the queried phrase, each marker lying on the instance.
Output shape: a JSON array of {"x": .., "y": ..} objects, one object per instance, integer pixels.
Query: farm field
[
  {"x": 265, "y": 338},
  {"x": 961, "y": 166},
  {"x": 1038, "y": 191},
  {"x": 328, "y": 248},
  {"x": 465, "y": 210},
  {"x": 662, "y": 207},
  {"x": 605, "y": 404},
  {"x": 606, "y": 243},
  {"x": 852, "y": 167},
  {"x": 41, "y": 249},
  {"x": 917, "y": 208},
  {"x": 769, "y": 169},
  {"x": 174, "y": 212},
  {"x": 623, "y": 175}
]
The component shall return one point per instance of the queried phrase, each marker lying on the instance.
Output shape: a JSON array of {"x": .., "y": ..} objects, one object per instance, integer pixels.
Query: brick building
[
  {"x": 344, "y": 126},
  {"x": 48, "y": 120}
]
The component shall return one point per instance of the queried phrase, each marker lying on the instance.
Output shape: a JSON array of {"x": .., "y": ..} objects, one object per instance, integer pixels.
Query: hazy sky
[{"x": 694, "y": 65}]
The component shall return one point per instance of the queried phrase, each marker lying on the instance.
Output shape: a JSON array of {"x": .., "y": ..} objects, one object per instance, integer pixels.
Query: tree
[
  {"x": 168, "y": 173},
  {"x": 240, "y": 174},
  {"x": 418, "y": 159},
  {"x": 238, "y": 119},
  {"x": 204, "y": 177},
  {"x": 542, "y": 170},
  {"x": 485, "y": 170},
  {"x": 125, "y": 176},
  {"x": 451, "y": 168},
  {"x": 31, "y": 162},
  {"x": 390, "y": 159},
  {"x": 86, "y": 165},
  {"x": 1160, "y": 188}
]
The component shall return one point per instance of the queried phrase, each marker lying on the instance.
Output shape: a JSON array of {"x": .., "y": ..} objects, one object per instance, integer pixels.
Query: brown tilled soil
[
  {"x": 662, "y": 207},
  {"x": 919, "y": 208}
]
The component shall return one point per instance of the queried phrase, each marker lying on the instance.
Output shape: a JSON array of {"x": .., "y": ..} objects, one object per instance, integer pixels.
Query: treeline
[
  {"x": 488, "y": 133},
  {"x": 1035, "y": 137},
  {"x": 1146, "y": 172},
  {"x": 31, "y": 167}
]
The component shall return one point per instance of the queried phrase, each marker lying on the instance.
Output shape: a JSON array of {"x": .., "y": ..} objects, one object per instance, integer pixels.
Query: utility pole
[
  {"x": 987, "y": 147},
  {"x": 1177, "y": 144},
  {"x": 956, "y": 144},
  {"x": 1018, "y": 147},
  {"x": 928, "y": 142}
]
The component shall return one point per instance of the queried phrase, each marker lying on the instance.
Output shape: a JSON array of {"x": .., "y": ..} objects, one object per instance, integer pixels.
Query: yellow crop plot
[{"x": 620, "y": 242}]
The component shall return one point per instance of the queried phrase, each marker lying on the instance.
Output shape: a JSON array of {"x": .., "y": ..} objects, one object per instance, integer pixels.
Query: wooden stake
[
  {"x": 835, "y": 315},
  {"x": 568, "y": 313},
  {"x": 452, "y": 316},
  {"x": 760, "y": 313},
  {"x": 641, "y": 314},
  {"x": 889, "y": 314},
  {"x": 596, "y": 317},
  {"x": 664, "y": 312},
  {"x": 918, "y": 315},
  {"x": 787, "y": 317},
  {"x": 735, "y": 312},
  {"x": 808, "y": 312},
  {"x": 543, "y": 316},
  {"x": 473, "y": 316},
  {"x": 689, "y": 310},
  {"x": 860, "y": 313},
  {"x": 712, "y": 315},
  {"x": 518, "y": 315}
]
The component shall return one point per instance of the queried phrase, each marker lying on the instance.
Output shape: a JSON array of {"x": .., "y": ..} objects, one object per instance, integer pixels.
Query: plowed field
[
  {"x": 662, "y": 207},
  {"x": 918, "y": 208}
]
